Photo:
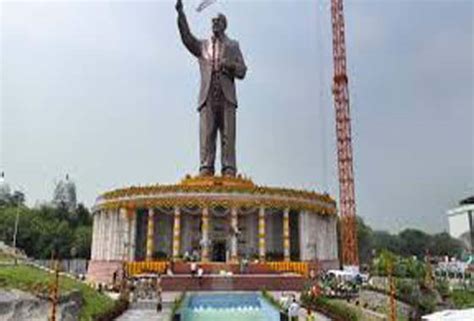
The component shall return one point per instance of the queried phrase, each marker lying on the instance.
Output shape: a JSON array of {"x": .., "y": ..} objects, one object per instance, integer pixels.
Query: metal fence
[{"x": 74, "y": 266}]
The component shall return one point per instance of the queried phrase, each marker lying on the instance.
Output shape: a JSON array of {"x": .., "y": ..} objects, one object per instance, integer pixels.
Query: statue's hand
[
  {"x": 179, "y": 6},
  {"x": 227, "y": 65}
]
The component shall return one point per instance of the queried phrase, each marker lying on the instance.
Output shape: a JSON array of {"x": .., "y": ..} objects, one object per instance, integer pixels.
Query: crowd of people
[{"x": 145, "y": 288}]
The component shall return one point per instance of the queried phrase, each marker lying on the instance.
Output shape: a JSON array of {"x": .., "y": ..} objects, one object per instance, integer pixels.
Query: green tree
[
  {"x": 82, "y": 241},
  {"x": 414, "y": 242},
  {"x": 83, "y": 216},
  {"x": 443, "y": 244},
  {"x": 46, "y": 229},
  {"x": 365, "y": 241},
  {"x": 383, "y": 240}
]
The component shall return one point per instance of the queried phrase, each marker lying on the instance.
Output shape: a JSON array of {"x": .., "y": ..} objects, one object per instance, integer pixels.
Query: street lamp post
[{"x": 15, "y": 231}]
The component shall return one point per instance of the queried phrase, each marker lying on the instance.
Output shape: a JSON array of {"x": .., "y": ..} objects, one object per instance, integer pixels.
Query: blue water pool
[{"x": 228, "y": 307}]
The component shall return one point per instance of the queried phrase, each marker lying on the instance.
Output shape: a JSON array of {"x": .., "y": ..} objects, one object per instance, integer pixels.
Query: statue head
[{"x": 219, "y": 24}]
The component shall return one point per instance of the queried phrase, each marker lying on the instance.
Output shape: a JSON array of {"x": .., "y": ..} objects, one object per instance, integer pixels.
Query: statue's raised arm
[{"x": 189, "y": 40}]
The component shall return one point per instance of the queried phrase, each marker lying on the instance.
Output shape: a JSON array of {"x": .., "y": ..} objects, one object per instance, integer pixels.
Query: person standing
[
  {"x": 159, "y": 303},
  {"x": 193, "y": 269},
  {"x": 293, "y": 310}
]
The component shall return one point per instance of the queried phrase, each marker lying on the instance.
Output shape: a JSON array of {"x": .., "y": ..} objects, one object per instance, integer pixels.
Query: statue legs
[
  {"x": 218, "y": 116},
  {"x": 207, "y": 140},
  {"x": 227, "y": 133}
]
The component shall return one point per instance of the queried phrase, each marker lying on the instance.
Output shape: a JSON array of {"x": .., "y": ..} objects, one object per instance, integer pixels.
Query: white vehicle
[{"x": 347, "y": 275}]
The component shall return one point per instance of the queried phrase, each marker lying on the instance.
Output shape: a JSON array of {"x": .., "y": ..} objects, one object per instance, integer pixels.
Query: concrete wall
[
  {"x": 73, "y": 266},
  {"x": 318, "y": 237}
]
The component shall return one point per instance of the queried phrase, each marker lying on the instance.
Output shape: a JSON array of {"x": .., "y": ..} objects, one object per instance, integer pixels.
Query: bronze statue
[{"x": 220, "y": 62}]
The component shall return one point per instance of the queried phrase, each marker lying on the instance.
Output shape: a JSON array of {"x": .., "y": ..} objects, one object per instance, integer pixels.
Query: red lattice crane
[{"x": 347, "y": 209}]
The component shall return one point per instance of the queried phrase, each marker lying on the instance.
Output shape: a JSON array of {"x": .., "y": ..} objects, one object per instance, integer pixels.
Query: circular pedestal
[{"x": 213, "y": 219}]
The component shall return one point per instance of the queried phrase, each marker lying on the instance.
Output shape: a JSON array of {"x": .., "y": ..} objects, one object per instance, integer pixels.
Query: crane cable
[{"x": 323, "y": 90}]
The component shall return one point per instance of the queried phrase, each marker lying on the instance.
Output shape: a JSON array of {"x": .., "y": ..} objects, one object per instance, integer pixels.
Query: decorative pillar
[
  {"x": 101, "y": 235},
  {"x": 116, "y": 218},
  {"x": 94, "y": 236},
  {"x": 124, "y": 234},
  {"x": 286, "y": 234},
  {"x": 234, "y": 241},
  {"x": 261, "y": 234},
  {"x": 176, "y": 232},
  {"x": 113, "y": 236},
  {"x": 205, "y": 235},
  {"x": 132, "y": 230},
  {"x": 107, "y": 235},
  {"x": 119, "y": 236},
  {"x": 150, "y": 235}
]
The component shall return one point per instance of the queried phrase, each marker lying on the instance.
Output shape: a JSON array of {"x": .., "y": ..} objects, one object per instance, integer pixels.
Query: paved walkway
[
  {"x": 145, "y": 312},
  {"x": 145, "y": 315},
  {"x": 302, "y": 314}
]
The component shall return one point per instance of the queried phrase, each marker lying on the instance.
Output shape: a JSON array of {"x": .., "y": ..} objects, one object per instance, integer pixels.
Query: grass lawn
[
  {"x": 362, "y": 316},
  {"x": 463, "y": 299},
  {"x": 33, "y": 280}
]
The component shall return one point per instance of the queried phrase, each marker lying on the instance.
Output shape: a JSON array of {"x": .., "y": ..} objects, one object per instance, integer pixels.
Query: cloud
[{"x": 104, "y": 90}]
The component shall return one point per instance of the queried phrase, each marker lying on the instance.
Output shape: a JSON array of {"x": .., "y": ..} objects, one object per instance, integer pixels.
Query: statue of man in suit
[{"x": 220, "y": 62}]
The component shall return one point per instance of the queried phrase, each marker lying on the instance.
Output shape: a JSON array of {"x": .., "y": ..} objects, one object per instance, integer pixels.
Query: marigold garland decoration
[{"x": 233, "y": 192}]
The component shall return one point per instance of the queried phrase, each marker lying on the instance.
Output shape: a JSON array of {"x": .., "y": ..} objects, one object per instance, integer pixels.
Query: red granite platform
[
  {"x": 256, "y": 276},
  {"x": 240, "y": 282}
]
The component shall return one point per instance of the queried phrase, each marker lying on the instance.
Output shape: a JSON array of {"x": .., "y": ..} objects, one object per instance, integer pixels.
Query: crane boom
[{"x": 340, "y": 90}]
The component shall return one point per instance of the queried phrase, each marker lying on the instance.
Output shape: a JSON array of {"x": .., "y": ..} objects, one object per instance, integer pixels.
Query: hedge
[
  {"x": 330, "y": 308},
  {"x": 119, "y": 307}
]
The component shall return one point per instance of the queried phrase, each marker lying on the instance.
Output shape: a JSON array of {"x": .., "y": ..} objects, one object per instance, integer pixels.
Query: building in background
[
  {"x": 5, "y": 191},
  {"x": 461, "y": 222},
  {"x": 65, "y": 194}
]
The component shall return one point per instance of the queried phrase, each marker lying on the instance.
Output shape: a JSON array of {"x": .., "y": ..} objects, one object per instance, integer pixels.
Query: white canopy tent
[{"x": 451, "y": 315}]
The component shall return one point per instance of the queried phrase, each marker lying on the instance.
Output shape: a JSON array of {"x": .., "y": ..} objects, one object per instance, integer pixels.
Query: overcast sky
[{"x": 105, "y": 91}]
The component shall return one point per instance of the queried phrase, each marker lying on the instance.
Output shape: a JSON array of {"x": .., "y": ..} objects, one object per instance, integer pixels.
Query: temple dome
[{"x": 65, "y": 194}]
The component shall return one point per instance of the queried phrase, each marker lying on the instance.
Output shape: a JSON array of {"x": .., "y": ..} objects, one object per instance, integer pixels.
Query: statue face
[{"x": 219, "y": 24}]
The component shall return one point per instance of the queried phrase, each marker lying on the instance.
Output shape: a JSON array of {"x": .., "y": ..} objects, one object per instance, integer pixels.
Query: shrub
[
  {"x": 117, "y": 309},
  {"x": 331, "y": 308},
  {"x": 177, "y": 304},
  {"x": 407, "y": 290},
  {"x": 463, "y": 299},
  {"x": 442, "y": 286},
  {"x": 426, "y": 303},
  {"x": 271, "y": 299}
]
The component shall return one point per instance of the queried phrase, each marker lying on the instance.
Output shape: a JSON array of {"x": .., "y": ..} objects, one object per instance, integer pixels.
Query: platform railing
[
  {"x": 135, "y": 268},
  {"x": 143, "y": 267},
  {"x": 294, "y": 267}
]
